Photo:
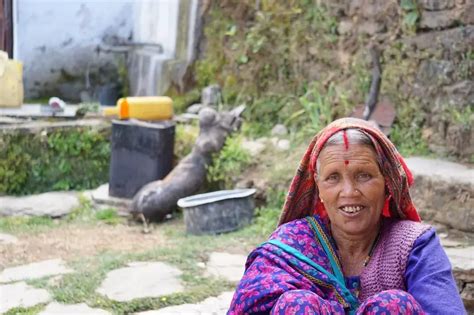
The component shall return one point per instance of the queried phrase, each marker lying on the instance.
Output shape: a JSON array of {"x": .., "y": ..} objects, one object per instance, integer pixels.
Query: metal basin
[{"x": 218, "y": 212}]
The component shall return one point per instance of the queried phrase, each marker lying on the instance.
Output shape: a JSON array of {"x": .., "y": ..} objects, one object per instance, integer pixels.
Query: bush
[
  {"x": 228, "y": 164},
  {"x": 64, "y": 159}
]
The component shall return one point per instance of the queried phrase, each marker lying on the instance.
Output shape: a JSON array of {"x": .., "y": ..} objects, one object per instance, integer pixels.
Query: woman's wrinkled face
[{"x": 352, "y": 187}]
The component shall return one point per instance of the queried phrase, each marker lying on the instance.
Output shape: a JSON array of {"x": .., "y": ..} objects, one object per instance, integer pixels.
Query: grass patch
[
  {"x": 109, "y": 216},
  {"x": 17, "y": 225},
  {"x": 26, "y": 310}
]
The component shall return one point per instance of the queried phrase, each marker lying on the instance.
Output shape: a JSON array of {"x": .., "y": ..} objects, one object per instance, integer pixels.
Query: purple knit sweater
[{"x": 386, "y": 269}]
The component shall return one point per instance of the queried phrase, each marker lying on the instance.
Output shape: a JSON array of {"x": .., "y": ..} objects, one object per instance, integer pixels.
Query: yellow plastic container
[
  {"x": 11, "y": 82},
  {"x": 142, "y": 107}
]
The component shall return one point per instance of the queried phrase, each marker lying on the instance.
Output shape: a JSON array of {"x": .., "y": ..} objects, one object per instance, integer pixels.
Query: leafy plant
[
  {"x": 61, "y": 159},
  {"x": 228, "y": 164},
  {"x": 406, "y": 132},
  {"x": 411, "y": 13},
  {"x": 185, "y": 138},
  {"x": 266, "y": 218},
  {"x": 317, "y": 109}
]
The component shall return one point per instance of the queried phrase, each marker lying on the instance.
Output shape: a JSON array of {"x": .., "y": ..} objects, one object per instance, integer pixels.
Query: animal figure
[{"x": 157, "y": 199}]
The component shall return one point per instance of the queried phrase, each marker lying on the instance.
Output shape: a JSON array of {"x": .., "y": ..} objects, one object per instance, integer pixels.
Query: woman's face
[{"x": 352, "y": 187}]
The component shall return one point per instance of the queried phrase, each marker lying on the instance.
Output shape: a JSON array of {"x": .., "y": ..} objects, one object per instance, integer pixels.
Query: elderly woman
[{"x": 349, "y": 238}]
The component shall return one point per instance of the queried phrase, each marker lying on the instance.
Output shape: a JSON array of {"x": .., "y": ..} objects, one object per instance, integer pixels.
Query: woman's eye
[
  {"x": 332, "y": 178},
  {"x": 364, "y": 176}
]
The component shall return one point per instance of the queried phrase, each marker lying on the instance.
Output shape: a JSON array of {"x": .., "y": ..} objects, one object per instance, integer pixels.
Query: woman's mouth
[{"x": 351, "y": 209}]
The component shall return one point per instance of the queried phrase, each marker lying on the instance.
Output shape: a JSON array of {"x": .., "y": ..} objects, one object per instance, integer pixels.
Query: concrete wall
[
  {"x": 58, "y": 42},
  {"x": 171, "y": 24}
]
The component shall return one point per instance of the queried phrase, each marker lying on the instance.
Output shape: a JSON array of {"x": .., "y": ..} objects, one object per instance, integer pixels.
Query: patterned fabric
[
  {"x": 291, "y": 274},
  {"x": 383, "y": 303},
  {"x": 303, "y": 196},
  {"x": 387, "y": 266}
]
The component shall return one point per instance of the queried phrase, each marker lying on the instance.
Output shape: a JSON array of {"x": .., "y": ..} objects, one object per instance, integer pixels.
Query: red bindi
[{"x": 346, "y": 162}]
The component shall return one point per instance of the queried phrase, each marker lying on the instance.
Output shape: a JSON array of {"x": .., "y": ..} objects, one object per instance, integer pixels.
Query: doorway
[{"x": 6, "y": 26}]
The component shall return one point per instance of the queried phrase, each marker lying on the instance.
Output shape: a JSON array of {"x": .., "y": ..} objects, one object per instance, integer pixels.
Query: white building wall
[{"x": 54, "y": 37}]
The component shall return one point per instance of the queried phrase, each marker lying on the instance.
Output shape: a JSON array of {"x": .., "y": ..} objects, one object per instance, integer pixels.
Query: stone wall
[{"x": 432, "y": 66}]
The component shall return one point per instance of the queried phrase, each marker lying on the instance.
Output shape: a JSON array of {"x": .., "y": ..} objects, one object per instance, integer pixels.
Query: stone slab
[
  {"x": 52, "y": 204},
  {"x": 36, "y": 270},
  {"x": 63, "y": 309},
  {"x": 141, "y": 280},
  {"x": 212, "y": 305},
  {"x": 442, "y": 170},
  {"x": 228, "y": 266},
  {"x": 7, "y": 239},
  {"x": 39, "y": 110},
  {"x": 461, "y": 258},
  {"x": 101, "y": 196},
  {"x": 443, "y": 192},
  {"x": 21, "y": 295}
]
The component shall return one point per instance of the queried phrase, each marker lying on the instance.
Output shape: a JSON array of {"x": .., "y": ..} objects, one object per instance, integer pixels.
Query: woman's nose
[{"x": 348, "y": 188}]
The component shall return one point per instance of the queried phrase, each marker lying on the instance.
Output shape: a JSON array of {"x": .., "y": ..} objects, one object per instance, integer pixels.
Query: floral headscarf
[{"x": 303, "y": 196}]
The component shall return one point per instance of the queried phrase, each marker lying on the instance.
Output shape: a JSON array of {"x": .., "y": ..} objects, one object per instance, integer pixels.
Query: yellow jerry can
[
  {"x": 142, "y": 107},
  {"x": 11, "y": 82}
]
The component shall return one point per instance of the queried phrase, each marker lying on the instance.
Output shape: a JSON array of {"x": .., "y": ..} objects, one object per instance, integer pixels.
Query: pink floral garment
[{"x": 276, "y": 282}]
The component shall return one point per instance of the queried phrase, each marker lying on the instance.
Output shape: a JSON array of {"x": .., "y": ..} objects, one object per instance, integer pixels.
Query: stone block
[
  {"x": 436, "y": 20},
  {"x": 437, "y": 5},
  {"x": 443, "y": 192}
]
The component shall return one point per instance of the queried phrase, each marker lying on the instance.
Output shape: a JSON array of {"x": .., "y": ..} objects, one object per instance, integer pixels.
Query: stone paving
[
  {"x": 148, "y": 279},
  {"x": 136, "y": 280}
]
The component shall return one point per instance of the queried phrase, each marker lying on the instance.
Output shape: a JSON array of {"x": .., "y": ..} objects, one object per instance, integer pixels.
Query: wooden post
[
  {"x": 2, "y": 26},
  {"x": 6, "y": 26}
]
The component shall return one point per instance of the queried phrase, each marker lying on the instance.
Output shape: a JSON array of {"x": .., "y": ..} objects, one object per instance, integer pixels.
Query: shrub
[{"x": 63, "y": 159}]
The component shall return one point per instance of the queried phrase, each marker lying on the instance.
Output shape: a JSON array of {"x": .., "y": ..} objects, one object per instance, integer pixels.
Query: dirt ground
[{"x": 73, "y": 241}]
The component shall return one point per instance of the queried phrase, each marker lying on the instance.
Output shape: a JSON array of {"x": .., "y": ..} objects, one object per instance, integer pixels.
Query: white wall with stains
[{"x": 59, "y": 40}]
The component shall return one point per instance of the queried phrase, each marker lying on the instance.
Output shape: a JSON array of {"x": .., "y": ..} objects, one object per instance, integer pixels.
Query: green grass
[{"x": 18, "y": 224}]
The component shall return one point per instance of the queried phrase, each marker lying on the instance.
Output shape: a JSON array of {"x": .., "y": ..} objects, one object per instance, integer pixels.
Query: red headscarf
[{"x": 303, "y": 196}]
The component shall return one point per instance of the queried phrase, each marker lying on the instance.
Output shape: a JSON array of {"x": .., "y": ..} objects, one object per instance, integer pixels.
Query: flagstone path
[{"x": 136, "y": 280}]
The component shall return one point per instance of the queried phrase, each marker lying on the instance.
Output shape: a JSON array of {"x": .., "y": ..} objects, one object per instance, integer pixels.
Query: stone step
[{"x": 443, "y": 192}]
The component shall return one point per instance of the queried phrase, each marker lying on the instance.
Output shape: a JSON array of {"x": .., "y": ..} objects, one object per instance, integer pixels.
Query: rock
[
  {"x": 458, "y": 95},
  {"x": 467, "y": 15},
  {"x": 61, "y": 309},
  {"x": 21, "y": 295},
  {"x": 437, "y": 5},
  {"x": 438, "y": 19},
  {"x": 194, "y": 109},
  {"x": 211, "y": 95},
  {"x": 370, "y": 28},
  {"x": 141, "y": 280},
  {"x": 345, "y": 27},
  {"x": 462, "y": 260},
  {"x": 52, "y": 204},
  {"x": 201, "y": 265},
  {"x": 435, "y": 72},
  {"x": 279, "y": 130},
  {"x": 467, "y": 296},
  {"x": 101, "y": 196},
  {"x": 227, "y": 266},
  {"x": 450, "y": 41},
  {"x": 283, "y": 144},
  {"x": 7, "y": 239},
  {"x": 34, "y": 271},
  {"x": 443, "y": 192},
  {"x": 449, "y": 243},
  {"x": 254, "y": 147},
  {"x": 212, "y": 305}
]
